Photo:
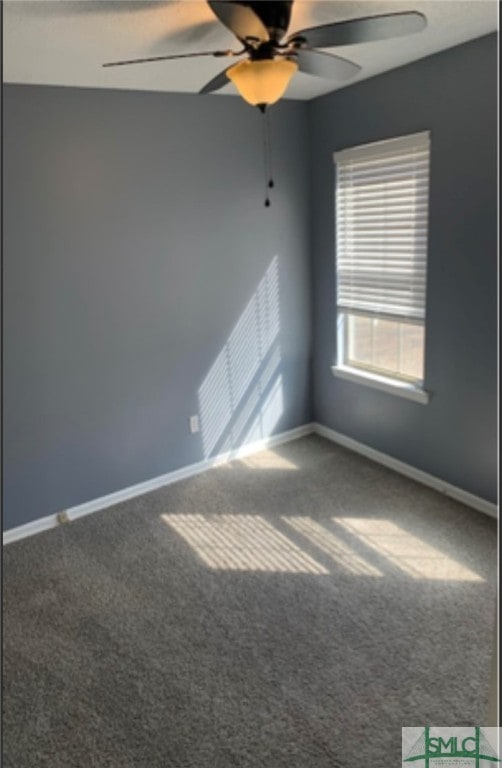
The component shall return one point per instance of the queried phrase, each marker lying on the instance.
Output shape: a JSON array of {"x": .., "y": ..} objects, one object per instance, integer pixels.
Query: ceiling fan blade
[
  {"x": 363, "y": 30},
  {"x": 240, "y": 19},
  {"x": 217, "y": 82},
  {"x": 274, "y": 15},
  {"x": 326, "y": 65},
  {"x": 173, "y": 56}
]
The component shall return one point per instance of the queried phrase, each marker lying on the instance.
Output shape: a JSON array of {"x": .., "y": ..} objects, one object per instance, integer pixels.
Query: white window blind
[{"x": 382, "y": 198}]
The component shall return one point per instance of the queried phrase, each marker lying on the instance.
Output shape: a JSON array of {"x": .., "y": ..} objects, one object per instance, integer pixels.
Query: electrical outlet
[{"x": 194, "y": 424}]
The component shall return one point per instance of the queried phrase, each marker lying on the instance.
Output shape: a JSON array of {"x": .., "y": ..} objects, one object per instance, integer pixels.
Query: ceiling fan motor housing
[{"x": 263, "y": 51}]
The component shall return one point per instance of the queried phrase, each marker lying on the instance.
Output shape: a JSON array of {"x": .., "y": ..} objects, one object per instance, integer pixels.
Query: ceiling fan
[{"x": 271, "y": 59}]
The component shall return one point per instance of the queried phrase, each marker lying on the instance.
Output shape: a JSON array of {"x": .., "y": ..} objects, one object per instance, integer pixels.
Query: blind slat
[
  {"x": 390, "y": 160},
  {"x": 415, "y": 173},
  {"x": 378, "y": 213}
]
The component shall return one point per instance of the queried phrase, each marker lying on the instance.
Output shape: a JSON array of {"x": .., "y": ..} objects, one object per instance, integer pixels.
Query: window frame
[{"x": 387, "y": 381}]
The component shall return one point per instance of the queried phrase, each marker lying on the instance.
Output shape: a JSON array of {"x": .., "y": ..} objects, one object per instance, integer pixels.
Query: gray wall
[
  {"x": 138, "y": 258},
  {"x": 144, "y": 281},
  {"x": 454, "y": 95}
]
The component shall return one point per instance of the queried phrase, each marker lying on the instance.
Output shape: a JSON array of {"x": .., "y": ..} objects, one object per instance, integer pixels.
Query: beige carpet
[{"x": 292, "y": 609}]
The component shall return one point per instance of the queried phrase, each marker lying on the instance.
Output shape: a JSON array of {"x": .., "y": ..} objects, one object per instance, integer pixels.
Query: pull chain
[
  {"x": 267, "y": 154},
  {"x": 269, "y": 141}
]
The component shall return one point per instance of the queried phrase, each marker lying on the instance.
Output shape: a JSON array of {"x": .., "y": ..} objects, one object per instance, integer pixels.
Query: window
[{"x": 382, "y": 200}]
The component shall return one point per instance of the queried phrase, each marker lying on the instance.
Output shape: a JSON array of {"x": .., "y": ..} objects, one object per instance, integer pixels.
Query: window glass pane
[
  {"x": 412, "y": 350},
  {"x": 360, "y": 339},
  {"x": 388, "y": 347}
]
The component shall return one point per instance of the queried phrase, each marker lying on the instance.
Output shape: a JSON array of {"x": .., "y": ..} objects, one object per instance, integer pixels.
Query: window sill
[{"x": 402, "y": 389}]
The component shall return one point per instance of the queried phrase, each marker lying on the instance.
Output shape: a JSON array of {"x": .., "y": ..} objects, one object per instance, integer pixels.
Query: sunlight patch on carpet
[
  {"x": 241, "y": 543},
  {"x": 268, "y": 460},
  {"x": 410, "y": 554},
  {"x": 333, "y": 546}
]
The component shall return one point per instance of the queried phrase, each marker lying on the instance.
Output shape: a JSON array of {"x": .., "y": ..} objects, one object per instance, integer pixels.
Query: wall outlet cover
[{"x": 194, "y": 424}]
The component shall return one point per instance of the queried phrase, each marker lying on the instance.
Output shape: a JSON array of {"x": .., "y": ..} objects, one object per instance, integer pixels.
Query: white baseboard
[
  {"x": 72, "y": 513},
  {"x": 469, "y": 499},
  {"x": 29, "y": 529}
]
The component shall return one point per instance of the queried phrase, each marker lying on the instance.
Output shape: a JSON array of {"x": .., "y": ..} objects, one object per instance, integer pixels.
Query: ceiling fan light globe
[{"x": 263, "y": 81}]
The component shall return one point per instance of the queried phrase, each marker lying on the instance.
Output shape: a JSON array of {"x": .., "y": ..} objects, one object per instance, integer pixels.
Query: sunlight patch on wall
[
  {"x": 241, "y": 543},
  {"x": 337, "y": 549},
  {"x": 407, "y": 552},
  {"x": 269, "y": 413},
  {"x": 258, "y": 413},
  {"x": 241, "y": 397}
]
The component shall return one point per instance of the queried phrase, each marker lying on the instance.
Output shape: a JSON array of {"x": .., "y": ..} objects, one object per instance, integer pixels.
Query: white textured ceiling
[{"x": 64, "y": 42}]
